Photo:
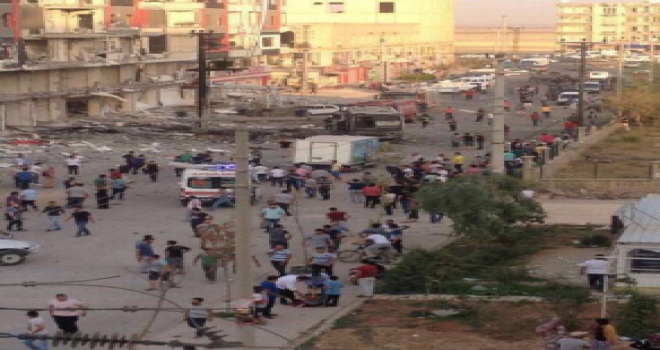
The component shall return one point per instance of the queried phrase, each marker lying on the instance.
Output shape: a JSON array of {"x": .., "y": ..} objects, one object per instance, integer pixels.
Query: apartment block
[
  {"x": 607, "y": 24},
  {"x": 60, "y": 58},
  {"x": 529, "y": 40},
  {"x": 350, "y": 41}
]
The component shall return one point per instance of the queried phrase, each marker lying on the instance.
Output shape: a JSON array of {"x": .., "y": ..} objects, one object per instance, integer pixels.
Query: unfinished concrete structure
[{"x": 63, "y": 57}]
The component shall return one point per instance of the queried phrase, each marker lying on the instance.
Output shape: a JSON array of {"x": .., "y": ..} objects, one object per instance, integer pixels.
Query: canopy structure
[{"x": 637, "y": 251}]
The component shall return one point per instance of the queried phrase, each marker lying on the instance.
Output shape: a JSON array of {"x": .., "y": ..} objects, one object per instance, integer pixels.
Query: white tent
[{"x": 637, "y": 251}]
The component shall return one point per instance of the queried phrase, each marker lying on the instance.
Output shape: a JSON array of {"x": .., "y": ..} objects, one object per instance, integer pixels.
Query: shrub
[
  {"x": 598, "y": 240},
  {"x": 630, "y": 139},
  {"x": 639, "y": 317}
]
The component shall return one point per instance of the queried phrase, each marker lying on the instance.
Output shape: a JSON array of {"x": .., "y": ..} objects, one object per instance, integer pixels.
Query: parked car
[
  {"x": 514, "y": 72},
  {"x": 316, "y": 110},
  {"x": 14, "y": 252}
]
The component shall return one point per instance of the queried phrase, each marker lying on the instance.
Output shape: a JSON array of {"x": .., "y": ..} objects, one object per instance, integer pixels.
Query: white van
[
  {"x": 592, "y": 87},
  {"x": 599, "y": 75},
  {"x": 566, "y": 98},
  {"x": 205, "y": 184}
]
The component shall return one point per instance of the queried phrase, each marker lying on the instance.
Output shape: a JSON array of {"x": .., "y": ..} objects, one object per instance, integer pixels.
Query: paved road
[{"x": 152, "y": 208}]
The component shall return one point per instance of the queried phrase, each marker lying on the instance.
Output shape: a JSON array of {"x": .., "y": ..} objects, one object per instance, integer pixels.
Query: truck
[
  {"x": 350, "y": 152},
  {"x": 362, "y": 119},
  {"x": 405, "y": 102}
]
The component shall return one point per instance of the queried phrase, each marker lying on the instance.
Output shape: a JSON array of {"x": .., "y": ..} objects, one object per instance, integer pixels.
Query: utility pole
[
  {"x": 245, "y": 273},
  {"x": 304, "y": 86},
  {"x": 652, "y": 68},
  {"x": 497, "y": 142},
  {"x": 583, "y": 73},
  {"x": 383, "y": 64},
  {"x": 619, "y": 77},
  {"x": 203, "y": 79}
]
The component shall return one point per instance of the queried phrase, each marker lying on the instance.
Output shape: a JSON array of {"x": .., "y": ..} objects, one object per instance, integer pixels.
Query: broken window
[
  {"x": 386, "y": 7},
  {"x": 158, "y": 44},
  {"x": 5, "y": 20},
  {"x": 86, "y": 21},
  {"x": 336, "y": 7},
  {"x": 267, "y": 42}
]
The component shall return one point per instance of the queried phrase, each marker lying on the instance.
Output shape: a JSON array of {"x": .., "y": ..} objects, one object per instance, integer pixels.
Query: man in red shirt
[
  {"x": 371, "y": 195},
  {"x": 338, "y": 217},
  {"x": 365, "y": 275}
]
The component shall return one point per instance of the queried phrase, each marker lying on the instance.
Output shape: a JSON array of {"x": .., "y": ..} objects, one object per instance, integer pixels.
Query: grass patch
[
  {"x": 498, "y": 269},
  {"x": 627, "y": 155}
]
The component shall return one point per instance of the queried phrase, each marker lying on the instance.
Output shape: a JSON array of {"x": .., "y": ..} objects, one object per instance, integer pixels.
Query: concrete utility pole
[
  {"x": 383, "y": 64},
  {"x": 619, "y": 77},
  {"x": 304, "y": 86},
  {"x": 245, "y": 273},
  {"x": 652, "y": 67},
  {"x": 203, "y": 110},
  {"x": 497, "y": 142},
  {"x": 583, "y": 73}
]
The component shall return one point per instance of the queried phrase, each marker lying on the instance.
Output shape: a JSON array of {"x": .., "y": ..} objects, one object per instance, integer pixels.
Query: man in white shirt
[
  {"x": 596, "y": 269},
  {"x": 36, "y": 327},
  {"x": 287, "y": 288},
  {"x": 277, "y": 176},
  {"x": 379, "y": 242},
  {"x": 73, "y": 165}
]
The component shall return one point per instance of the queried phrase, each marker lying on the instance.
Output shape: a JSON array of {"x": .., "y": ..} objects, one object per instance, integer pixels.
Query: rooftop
[{"x": 641, "y": 221}]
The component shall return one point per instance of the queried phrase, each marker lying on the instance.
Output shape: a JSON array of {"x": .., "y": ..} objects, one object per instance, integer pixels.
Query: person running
[
  {"x": 29, "y": 199},
  {"x": 197, "y": 315},
  {"x": 152, "y": 169},
  {"x": 144, "y": 250},
  {"x": 174, "y": 257},
  {"x": 279, "y": 258},
  {"x": 66, "y": 312},
  {"x": 197, "y": 217},
  {"x": 158, "y": 271},
  {"x": 209, "y": 263},
  {"x": 322, "y": 260},
  {"x": 81, "y": 218},
  {"x": 54, "y": 213},
  {"x": 272, "y": 215},
  {"x": 118, "y": 187},
  {"x": 372, "y": 195}
]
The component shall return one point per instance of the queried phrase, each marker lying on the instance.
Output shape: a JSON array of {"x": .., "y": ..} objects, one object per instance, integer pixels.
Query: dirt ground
[
  {"x": 485, "y": 326},
  {"x": 623, "y": 155}
]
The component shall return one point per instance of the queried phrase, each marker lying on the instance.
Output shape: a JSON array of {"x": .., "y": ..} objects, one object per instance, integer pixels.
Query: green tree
[
  {"x": 639, "y": 317},
  {"x": 483, "y": 207}
]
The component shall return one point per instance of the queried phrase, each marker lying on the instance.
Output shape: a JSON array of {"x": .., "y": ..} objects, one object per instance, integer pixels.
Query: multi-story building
[
  {"x": 471, "y": 40},
  {"x": 607, "y": 24},
  {"x": 349, "y": 41},
  {"x": 60, "y": 57}
]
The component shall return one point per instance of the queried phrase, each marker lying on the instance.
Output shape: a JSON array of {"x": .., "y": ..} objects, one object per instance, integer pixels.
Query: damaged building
[
  {"x": 62, "y": 58},
  {"x": 65, "y": 57}
]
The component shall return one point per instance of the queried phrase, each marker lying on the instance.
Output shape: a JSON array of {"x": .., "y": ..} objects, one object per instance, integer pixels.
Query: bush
[
  {"x": 416, "y": 77},
  {"x": 630, "y": 139},
  {"x": 598, "y": 240},
  {"x": 639, "y": 317}
]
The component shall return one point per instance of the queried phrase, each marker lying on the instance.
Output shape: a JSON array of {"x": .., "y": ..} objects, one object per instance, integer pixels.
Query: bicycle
[{"x": 359, "y": 252}]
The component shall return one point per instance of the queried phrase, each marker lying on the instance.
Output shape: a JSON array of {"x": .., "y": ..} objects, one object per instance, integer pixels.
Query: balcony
[
  {"x": 67, "y": 4},
  {"x": 171, "y": 5}
]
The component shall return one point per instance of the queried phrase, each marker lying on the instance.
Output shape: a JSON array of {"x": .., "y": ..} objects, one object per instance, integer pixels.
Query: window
[
  {"x": 5, "y": 20},
  {"x": 267, "y": 42},
  {"x": 386, "y": 7},
  {"x": 336, "y": 7}
]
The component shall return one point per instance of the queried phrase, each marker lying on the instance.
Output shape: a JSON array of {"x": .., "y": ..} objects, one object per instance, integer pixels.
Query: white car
[
  {"x": 14, "y": 252},
  {"x": 317, "y": 109},
  {"x": 514, "y": 72}
]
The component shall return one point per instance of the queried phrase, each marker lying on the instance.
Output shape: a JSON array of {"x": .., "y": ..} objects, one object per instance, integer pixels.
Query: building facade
[
  {"x": 350, "y": 41},
  {"x": 608, "y": 24},
  {"x": 530, "y": 40},
  {"x": 62, "y": 57}
]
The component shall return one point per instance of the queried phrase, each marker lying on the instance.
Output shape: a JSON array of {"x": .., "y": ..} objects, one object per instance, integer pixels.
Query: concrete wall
[
  {"x": 615, "y": 187},
  {"x": 487, "y": 40}
]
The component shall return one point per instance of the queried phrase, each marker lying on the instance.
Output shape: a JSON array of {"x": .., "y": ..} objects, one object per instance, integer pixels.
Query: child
[{"x": 332, "y": 291}]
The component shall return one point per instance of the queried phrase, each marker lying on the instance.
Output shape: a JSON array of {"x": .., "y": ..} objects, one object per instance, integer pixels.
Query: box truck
[{"x": 351, "y": 152}]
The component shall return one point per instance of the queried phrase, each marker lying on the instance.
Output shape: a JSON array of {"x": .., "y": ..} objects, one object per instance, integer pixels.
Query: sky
[{"x": 519, "y": 12}]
